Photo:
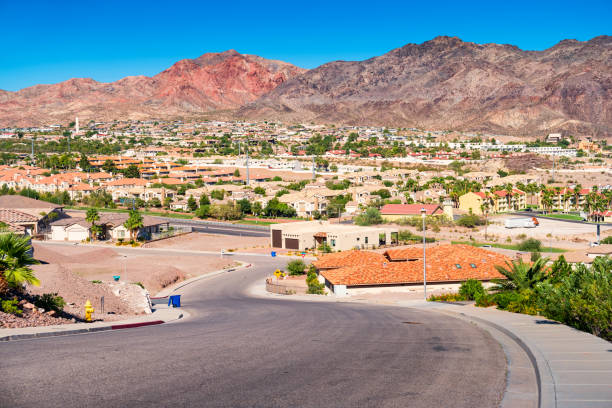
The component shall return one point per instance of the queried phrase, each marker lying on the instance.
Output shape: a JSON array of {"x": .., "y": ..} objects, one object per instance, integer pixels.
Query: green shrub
[
  {"x": 11, "y": 306},
  {"x": 530, "y": 245},
  {"x": 607, "y": 240},
  {"x": 446, "y": 297},
  {"x": 139, "y": 284},
  {"x": 296, "y": 267},
  {"x": 470, "y": 221},
  {"x": 314, "y": 286},
  {"x": 582, "y": 298},
  {"x": 485, "y": 301},
  {"x": 96, "y": 281},
  {"x": 471, "y": 289},
  {"x": 50, "y": 301}
]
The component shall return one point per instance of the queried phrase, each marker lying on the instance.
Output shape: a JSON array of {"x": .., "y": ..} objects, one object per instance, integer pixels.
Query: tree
[
  {"x": 155, "y": 202},
  {"x": 204, "y": 200},
  {"x": 259, "y": 190},
  {"x": 192, "y": 204},
  {"x": 203, "y": 211},
  {"x": 15, "y": 261},
  {"x": 236, "y": 173},
  {"x": 134, "y": 223},
  {"x": 217, "y": 194},
  {"x": 92, "y": 216},
  {"x": 84, "y": 163},
  {"x": 371, "y": 216},
  {"x": 109, "y": 166},
  {"x": 132, "y": 171},
  {"x": 256, "y": 208},
  {"x": 244, "y": 205}
]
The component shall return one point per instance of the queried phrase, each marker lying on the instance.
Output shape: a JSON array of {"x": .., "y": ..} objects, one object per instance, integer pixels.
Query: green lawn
[
  {"x": 253, "y": 222},
  {"x": 508, "y": 246},
  {"x": 563, "y": 216}
]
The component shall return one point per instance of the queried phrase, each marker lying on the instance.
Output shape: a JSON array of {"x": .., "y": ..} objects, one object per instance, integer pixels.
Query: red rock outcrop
[{"x": 215, "y": 81}]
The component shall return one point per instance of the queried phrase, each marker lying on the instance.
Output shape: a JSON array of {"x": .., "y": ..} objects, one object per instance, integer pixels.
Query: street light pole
[{"x": 423, "y": 211}]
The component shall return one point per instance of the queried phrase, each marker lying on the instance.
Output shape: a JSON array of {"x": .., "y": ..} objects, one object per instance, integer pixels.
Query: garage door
[
  {"x": 76, "y": 236},
  {"x": 277, "y": 239},
  {"x": 292, "y": 243}
]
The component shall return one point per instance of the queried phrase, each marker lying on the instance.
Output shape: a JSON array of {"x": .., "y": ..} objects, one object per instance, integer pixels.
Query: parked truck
[{"x": 521, "y": 223}]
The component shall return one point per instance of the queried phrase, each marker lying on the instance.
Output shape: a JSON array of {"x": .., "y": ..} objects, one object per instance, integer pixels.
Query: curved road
[{"x": 239, "y": 351}]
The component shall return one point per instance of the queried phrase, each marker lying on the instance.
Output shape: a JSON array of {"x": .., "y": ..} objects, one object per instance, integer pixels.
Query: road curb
[
  {"x": 118, "y": 326},
  {"x": 544, "y": 396}
]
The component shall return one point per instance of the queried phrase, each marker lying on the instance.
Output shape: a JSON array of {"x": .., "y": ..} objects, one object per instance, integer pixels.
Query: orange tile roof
[
  {"x": 442, "y": 261},
  {"x": 348, "y": 258}
]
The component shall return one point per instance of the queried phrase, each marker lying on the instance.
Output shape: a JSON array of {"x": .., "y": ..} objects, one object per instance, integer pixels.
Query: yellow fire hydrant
[{"x": 88, "y": 311}]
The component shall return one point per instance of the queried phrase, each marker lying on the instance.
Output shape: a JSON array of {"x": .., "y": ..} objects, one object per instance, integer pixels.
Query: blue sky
[{"x": 52, "y": 41}]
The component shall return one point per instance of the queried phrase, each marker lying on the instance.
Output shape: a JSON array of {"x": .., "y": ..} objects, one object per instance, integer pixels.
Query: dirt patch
[
  {"x": 57, "y": 278},
  {"x": 212, "y": 242}
]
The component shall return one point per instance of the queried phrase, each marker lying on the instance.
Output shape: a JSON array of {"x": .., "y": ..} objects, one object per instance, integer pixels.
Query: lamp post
[{"x": 423, "y": 211}]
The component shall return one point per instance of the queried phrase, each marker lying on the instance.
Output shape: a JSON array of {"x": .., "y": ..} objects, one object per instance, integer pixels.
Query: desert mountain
[
  {"x": 214, "y": 81},
  {"x": 447, "y": 83}
]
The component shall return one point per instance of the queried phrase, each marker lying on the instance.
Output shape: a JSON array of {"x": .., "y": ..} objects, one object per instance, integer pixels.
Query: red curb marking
[{"x": 132, "y": 325}]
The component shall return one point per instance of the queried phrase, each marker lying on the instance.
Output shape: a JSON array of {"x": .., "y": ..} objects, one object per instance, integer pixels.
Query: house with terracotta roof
[
  {"x": 358, "y": 272},
  {"x": 499, "y": 201},
  {"x": 394, "y": 212},
  {"x": 27, "y": 213}
]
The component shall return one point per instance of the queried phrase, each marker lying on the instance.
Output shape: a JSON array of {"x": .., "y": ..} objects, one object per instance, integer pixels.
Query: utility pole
[
  {"x": 32, "y": 149},
  {"x": 553, "y": 170},
  {"x": 423, "y": 212},
  {"x": 314, "y": 176},
  {"x": 247, "y": 162}
]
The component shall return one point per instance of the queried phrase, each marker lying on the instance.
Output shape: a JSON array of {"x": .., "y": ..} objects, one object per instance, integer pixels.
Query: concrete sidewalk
[
  {"x": 573, "y": 368},
  {"x": 161, "y": 314}
]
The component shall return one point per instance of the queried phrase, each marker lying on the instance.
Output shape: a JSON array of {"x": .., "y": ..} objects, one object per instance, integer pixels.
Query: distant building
[{"x": 311, "y": 234}]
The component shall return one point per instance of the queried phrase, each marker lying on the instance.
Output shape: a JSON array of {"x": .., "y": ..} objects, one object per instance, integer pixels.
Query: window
[
  {"x": 473, "y": 265},
  {"x": 458, "y": 266},
  {"x": 357, "y": 238},
  {"x": 366, "y": 240},
  {"x": 333, "y": 242}
]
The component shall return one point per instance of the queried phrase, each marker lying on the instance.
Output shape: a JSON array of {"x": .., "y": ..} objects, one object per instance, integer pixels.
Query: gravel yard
[{"x": 212, "y": 242}]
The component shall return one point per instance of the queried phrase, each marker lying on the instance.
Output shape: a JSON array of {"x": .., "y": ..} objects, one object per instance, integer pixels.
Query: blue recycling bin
[
  {"x": 174, "y": 300},
  {"x": 116, "y": 278},
  {"x": 273, "y": 253}
]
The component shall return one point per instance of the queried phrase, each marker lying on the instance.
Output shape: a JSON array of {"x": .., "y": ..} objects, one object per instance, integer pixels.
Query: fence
[{"x": 171, "y": 231}]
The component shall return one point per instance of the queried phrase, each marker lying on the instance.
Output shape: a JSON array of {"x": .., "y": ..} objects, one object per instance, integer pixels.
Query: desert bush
[
  {"x": 50, "y": 301},
  {"x": 11, "y": 306},
  {"x": 296, "y": 267},
  {"x": 530, "y": 245},
  {"x": 470, "y": 221}
]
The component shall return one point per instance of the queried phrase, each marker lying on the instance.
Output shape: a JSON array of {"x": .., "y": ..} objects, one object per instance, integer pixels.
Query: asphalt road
[{"x": 239, "y": 351}]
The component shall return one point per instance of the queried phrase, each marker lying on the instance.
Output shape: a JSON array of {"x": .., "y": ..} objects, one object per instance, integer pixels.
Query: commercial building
[{"x": 340, "y": 237}]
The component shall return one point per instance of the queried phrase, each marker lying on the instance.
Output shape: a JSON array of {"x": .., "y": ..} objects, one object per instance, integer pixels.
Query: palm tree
[
  {"x": 92, "y": 216},
  {"x": 567, "y": 195},
  {"x": 547, "y": 201},
  {"x": 509, "y": 193},
  {"x": 133, "y": 223},
  {"x": 15, "y": 259},
  {"x": 520, "y": 275},
  {"x": 576, "y": 193}
]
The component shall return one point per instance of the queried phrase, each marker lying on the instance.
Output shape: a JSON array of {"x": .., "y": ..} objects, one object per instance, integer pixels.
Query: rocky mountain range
[
  {"x": 444, "y": 83},
  {"x": 212, "y": 82},
  {"x": 447, "y": 83}
]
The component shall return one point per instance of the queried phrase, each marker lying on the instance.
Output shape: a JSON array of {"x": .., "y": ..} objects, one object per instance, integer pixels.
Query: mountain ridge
[
  {"x": 443, "y": 83},
  {"x": 446, "y": 83}
]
